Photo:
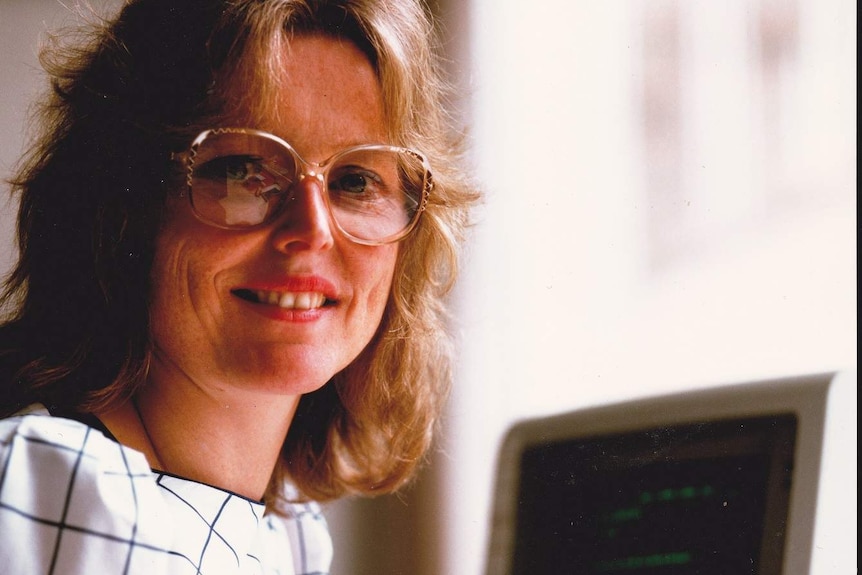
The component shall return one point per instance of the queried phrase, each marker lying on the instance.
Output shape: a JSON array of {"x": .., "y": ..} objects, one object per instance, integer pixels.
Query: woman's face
[{"x": 221, "y": 312}]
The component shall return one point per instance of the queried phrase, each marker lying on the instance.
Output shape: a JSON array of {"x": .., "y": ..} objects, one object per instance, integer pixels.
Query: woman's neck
[{"x": 229, "y": 440}]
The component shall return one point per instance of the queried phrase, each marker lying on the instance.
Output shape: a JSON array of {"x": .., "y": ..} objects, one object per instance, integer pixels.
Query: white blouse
[{"x": 75, "y": 502}]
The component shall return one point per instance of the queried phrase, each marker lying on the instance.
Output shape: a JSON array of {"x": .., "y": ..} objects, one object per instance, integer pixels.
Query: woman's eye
[
  {"x": 233, "y": 168},
  {"x": 239, "y": 169},
  {"x": 357, "y": 182},
  {"x": 241, "y": 176}
]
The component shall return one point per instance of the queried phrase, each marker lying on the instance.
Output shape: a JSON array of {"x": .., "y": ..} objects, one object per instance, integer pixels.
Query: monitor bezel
[{"x": 811, "y": 544}]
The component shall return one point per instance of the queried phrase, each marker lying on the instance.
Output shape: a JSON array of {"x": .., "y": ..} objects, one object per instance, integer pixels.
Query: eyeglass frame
[{"x": 316, "y": 170}]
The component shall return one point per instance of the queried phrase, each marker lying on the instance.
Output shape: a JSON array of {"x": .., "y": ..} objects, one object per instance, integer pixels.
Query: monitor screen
[{"x": 696, "y": 498}]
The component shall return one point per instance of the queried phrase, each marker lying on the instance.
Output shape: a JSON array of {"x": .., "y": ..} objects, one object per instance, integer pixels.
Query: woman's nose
[{"x": 306, "y": 221}]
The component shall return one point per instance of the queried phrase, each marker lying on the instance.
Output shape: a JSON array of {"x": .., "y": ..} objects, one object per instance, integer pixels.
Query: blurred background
[{"x": 671, "y": 204}]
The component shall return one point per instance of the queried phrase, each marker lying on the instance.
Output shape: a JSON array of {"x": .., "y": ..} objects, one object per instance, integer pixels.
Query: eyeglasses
[{"x": 241, "y": 178}]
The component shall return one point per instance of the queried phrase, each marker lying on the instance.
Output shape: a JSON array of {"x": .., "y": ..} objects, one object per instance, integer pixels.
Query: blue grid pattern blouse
[{"x": 75, "y": 502}]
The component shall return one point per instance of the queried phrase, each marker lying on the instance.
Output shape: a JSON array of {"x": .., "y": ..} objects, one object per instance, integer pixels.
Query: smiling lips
[{"x": 285, "y": 300}]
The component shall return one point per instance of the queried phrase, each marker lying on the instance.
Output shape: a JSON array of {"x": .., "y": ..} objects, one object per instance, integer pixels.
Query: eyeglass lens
[{"x": 239, "y": 180}]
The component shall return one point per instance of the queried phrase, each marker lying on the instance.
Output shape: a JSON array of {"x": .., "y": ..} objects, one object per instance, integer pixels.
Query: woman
[{"x": 229, "y": 301}]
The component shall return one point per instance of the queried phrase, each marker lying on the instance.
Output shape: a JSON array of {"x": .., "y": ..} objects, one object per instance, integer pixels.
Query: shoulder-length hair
[{"x": 128, "y": 93}]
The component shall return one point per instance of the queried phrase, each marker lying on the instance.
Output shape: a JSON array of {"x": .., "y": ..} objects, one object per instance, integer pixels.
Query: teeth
[{"x": 290, "y": 300}]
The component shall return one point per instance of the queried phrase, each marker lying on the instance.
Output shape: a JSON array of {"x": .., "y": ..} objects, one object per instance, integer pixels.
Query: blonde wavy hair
[{"x": 128, "y": 92}]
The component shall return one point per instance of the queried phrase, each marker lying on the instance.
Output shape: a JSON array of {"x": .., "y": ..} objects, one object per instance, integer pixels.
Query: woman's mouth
[{"x": 285, "y": 300}]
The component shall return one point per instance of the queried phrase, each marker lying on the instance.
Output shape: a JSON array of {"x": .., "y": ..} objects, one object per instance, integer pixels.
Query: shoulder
[
  {"x": 33, "y": 439},
  {"x": 61, "y": 483}
]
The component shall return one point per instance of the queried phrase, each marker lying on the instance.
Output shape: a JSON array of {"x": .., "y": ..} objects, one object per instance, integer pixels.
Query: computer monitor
[{"x": 755, "y": 478}]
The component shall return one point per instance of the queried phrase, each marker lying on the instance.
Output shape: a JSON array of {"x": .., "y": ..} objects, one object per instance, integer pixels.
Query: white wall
[
  {"x": 19, "y": 26},
  {"x": 661, "y": 215},
  {"x": 24, "y": 24}
]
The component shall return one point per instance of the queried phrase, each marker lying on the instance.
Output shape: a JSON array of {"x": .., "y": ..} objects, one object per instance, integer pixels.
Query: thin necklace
[{"x": 147, "y": 433}]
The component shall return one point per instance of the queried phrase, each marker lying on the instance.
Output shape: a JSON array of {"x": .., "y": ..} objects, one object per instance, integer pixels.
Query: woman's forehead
[{"x": 307, "y": 83}]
